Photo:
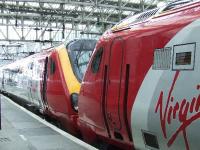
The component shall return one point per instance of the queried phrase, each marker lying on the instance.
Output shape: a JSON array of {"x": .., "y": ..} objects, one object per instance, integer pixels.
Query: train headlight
[{"x": 74, "y": 101}]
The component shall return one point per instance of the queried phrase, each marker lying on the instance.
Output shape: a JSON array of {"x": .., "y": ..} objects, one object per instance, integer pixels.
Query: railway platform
[{"x": 23, "y": 130}]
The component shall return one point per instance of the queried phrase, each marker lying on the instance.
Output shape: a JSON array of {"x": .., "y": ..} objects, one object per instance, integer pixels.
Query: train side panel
[
  {"x": 23, "y": 80},
  {"x": 89, "y": 99},
  {"x": 16, "y": 79}
]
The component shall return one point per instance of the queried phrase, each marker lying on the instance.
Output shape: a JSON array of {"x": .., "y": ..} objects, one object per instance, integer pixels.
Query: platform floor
[{"x": 22, "y": 130}]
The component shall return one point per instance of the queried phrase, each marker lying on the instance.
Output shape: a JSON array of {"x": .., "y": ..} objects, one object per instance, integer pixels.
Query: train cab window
[
  {"x": 97, "y": 60},
  {"x": 52, "y": 66},
  {"x": 80, "y": 52}
]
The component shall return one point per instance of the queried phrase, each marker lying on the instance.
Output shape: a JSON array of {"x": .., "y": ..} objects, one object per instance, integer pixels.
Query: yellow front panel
[{"x": 71, "y": 81}]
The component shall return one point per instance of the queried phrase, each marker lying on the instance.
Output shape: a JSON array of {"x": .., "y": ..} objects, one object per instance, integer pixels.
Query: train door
[
  {"x": 36, "y": 89},
  {"x": 113, "y": 89},
  {"x": 44, "y": 83},
  {"x": 34, "y": 80},
  {"x": 28, "y": 77}
]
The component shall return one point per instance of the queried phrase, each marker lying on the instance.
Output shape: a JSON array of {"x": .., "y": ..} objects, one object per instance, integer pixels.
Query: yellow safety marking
[
  {"x": 120, "y": 26},
  {"x": 71, "y": 81}
]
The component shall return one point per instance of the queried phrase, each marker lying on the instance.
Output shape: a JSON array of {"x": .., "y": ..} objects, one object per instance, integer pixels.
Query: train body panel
[
  {"x": 127, "y": 89},
  {"x": 23, "y": 79},
  {"x": 58, "y": 95}
]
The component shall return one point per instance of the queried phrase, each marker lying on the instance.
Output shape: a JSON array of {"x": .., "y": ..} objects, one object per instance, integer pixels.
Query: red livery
[{"x": 144, "y": 72}]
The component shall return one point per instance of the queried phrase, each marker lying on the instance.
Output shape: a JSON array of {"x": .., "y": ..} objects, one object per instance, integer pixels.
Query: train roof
[{"x": 130, "y": 21}]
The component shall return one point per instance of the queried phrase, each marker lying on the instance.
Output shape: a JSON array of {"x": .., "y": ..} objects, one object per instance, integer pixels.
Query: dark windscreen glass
[{"x": 80, "y": 52}]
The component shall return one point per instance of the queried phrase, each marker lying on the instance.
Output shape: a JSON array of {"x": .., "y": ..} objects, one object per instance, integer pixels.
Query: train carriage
[
  {"x": 143, "y": 82},
  {"x": 50, "y": 81}
]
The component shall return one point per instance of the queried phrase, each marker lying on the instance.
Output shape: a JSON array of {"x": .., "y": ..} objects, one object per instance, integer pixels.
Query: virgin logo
[{"x": 178, "y": 110}]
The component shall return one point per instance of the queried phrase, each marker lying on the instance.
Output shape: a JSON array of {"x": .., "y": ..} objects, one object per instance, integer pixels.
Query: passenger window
[
  {"x": 97, "y": 60},
  {"x": 52, "y": 66},
  {"x": 30, "y": 66}
]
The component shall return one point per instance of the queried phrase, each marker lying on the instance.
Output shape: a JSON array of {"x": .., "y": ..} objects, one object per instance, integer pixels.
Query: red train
[
  {"x": 50, "y": 81},
  {"x": 141, "y": 89}
]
